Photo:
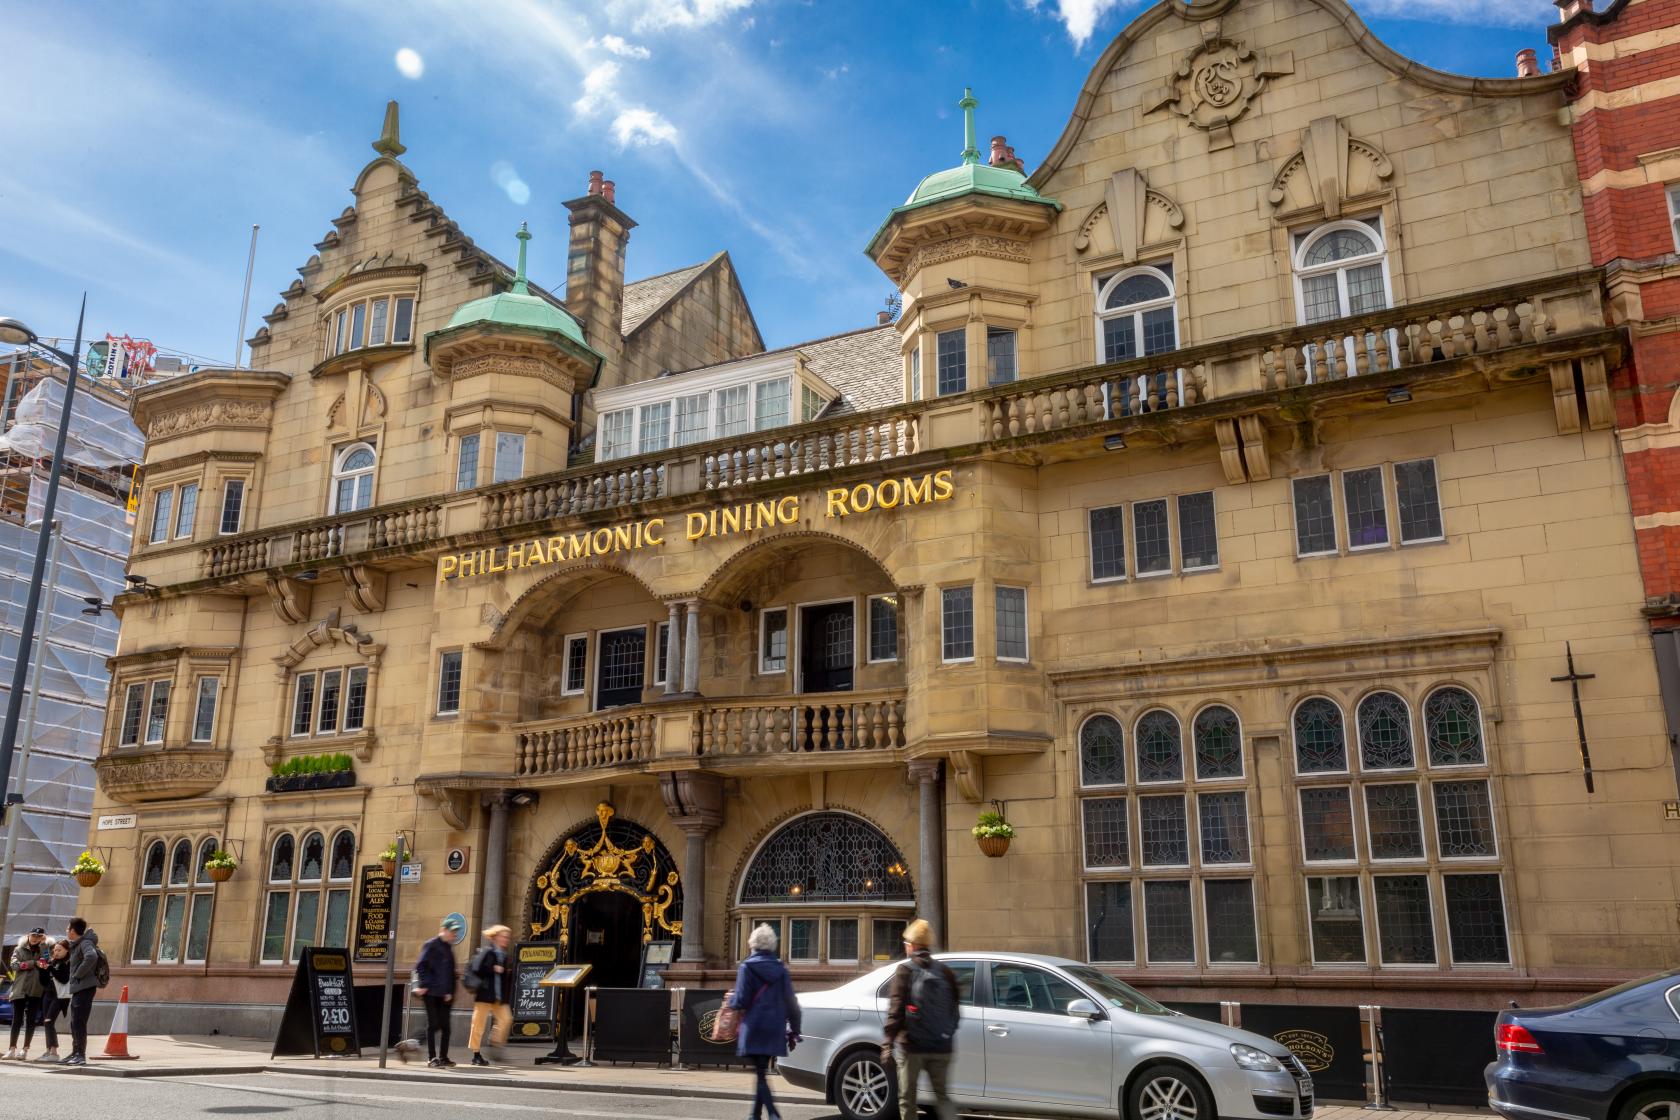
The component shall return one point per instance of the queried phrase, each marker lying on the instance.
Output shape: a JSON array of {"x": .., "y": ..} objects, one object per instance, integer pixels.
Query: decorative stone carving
[
  {"x": 323, "y": 632},
  {"x": 290, "y": 599},
  {"x": 974, "y": 245},
  {"x": 1331, "y": 169},
  {"x": 1137, "y": 216},
  {"x": 365, "y": 587},
  {"x": 161, "y": 775},
  {"x": 1215, "y": 85},
  {"x": 211, "y": 414}
]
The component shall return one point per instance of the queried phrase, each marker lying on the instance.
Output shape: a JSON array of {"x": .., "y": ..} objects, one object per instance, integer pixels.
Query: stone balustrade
[
  {"x": 575, "y": 492},
  {"x": 736, "y": 728},
  {"x": 810, "y": 448}
]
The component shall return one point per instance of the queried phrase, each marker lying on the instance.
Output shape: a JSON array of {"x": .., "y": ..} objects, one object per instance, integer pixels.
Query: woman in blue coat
[{"x": 769, "y": 1014}]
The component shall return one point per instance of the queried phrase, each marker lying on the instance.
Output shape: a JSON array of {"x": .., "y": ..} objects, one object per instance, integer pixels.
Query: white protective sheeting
[{"x": 101, "y": 433}]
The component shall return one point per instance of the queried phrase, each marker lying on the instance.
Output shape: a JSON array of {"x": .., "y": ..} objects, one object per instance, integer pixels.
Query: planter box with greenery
[{"x": 312, "y": 771}]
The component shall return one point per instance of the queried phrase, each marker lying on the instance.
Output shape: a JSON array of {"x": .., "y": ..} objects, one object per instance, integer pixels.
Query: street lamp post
[{"x": 16, "y": 333}]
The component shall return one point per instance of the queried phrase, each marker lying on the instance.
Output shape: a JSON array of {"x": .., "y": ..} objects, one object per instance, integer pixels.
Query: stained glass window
[
  {"x": 1224, "y": 827},
  {"x": 1452, "y": 723},
  {"x": 1163, "y": 832},
  {"x": 1160, "y": 748},
  {"x": 1108, "y": 921},
  {"x": 1463, "y": 819},
  {"x": 1168, "y": 926},
  {"x": 1385, "y": 733},
  {"x": 1105, "y": 832},
  {"x": 1327, "y": 823},
  {"x": 1320, "y": 738},
  {"x": 827, "y": 857},
  {"x": 1102, "y": 752},
  {"x": 1392, "y": 814},
  {"x": 1405, "y": 930},
  {"x": 1231, "y": 933},
  {"x": 1218, "y": 743},
  {"x": 1476, "y": 920}
]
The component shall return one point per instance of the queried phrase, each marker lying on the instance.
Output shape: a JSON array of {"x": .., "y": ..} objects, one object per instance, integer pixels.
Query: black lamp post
[{"x": 16, "y": 333}]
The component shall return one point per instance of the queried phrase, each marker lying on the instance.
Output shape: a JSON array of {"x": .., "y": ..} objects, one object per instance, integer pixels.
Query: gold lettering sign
[{"x": 723, "y": 521}]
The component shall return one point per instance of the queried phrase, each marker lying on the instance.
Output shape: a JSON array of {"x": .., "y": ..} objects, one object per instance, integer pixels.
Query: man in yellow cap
[{"x": 922, "y": 1018}]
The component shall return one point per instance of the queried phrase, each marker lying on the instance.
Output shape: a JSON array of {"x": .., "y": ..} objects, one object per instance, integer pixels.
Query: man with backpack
[
  {"x": 489, "y": 977},
  {"x": 89, "y": 971},
  {"x": 922, "y": 1021}
]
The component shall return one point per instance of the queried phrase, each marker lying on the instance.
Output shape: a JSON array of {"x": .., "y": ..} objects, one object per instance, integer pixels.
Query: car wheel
[
  {"x": 864, "y": 1089},
  {"x": 1657, "y": 1104},
  {"x": 1169, "y": 1092}
]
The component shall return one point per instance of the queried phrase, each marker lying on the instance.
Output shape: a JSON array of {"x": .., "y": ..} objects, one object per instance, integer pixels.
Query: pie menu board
[{"x": 533, "y": 1005}]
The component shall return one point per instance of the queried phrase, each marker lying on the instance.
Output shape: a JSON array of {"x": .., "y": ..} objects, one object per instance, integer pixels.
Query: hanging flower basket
[
  {"x": 389, "y": 866},
  {"x": 993, "y": 834},
  {"x": 220, "y": 866},
  {"x": 388, "y": 858},
  {"x": 89, "y": 878},
  {"x": 87, "y": 869},
  {"x": 219, "y": 874}
]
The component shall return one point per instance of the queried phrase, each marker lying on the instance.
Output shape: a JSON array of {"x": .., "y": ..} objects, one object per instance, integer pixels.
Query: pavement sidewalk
[{"x": 200, "y": 1056}]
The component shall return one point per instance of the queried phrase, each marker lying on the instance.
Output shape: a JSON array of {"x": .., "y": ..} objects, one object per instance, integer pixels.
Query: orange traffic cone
[{"x": 116, "y": 1046}]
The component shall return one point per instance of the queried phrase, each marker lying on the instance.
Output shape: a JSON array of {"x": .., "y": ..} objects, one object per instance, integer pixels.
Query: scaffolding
[{"x": 73, "y": 646}]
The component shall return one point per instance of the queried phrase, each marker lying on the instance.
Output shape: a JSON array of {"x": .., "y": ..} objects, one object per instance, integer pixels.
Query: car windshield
[{"x": 1119, "y": 995}]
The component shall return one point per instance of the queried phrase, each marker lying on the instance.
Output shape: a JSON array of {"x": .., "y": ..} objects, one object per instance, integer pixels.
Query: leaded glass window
[
  {"x": 1385, "y": 733},
  {"x": 827, "y": 857},
  {"x": 1218, "y": 743},
  {"x": 1152, "y": 536},
  {"x": 1102, "y": 752},
  {"x": 1452, "y": 722},
  {"x": 1198, "y": 536},
  {"x": 1160, "y": 748},
  {"x": 1169, "y": 928},
  {"x": 1105, "y": 832},
  {"x": 1419, "y": 501},
  {"x": 1108, "y": 921},
  {"x": 1320, "y": 737},
  {"x": 1163, "y": 831},
  {"x": 1337, "y": 919},
  {"x": 1396, "y": 829},
  {"x": 1108, "y": 543},
  {"x": 1315, "y": 516},
  {"x": 1224, "y": 827},
  {"x": 1327, "y": 823},
  {"x": 1405, "y": 929},
  {"x": 1476, "y": 919},
  {"x": 1464, "y": 820},
  {"x": 1231, "y": 933},
  {"x": 1366, "y": 508},
  {"x": 956, "y": 623}
]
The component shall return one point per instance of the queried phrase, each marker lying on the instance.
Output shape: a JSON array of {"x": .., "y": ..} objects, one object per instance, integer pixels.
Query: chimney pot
[
  {"x": 595, "y": 182},
  {"x": 882, "y": 318},
  {"x": 607, "y": 189},
  {"x": 1528, "y": 63},
  {"x": 1000, "y": 150}
]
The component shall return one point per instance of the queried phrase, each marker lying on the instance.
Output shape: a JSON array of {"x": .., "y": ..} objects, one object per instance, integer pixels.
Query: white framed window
[
  {"x": 186, "y": 510},
  {"x": 1418, "y": 499},
  {"x": 811, "y": 404},
  {"x": 163, "y": 506},
  {"x": 172, "y": 910},
  {"x": 1365, "y": 506},
  {"x": 353, "y": 468},
  {"x": 449, "y": 683},
  {"x": 956, "y": 624},
  {"x": 771, "y": 403},
  {"x": 655, "y": 427},
  {"x": 303, "y": 704},
  {"x": 133, "y": 715},
  {"x": 204, "y": 709},
  {"x": 1341, "y": 269},
  {"x": 380, "y": 321},
  {"x": 1011, "y": 618},
  {"x": 732, "y": 418},
  {"x": 510, "y": 457},
  {"x": 1152, "y": 537},
  {"x": 1198, "y": 532},
  {"x": 615, "y": 433},
  {"x": 1001, "y": 358},
  {"x": 916, "y": 372},
  {"x": 692, "y": 414},
  {"x": 466, "y": 462},
  {"x": 355, "y": 699},
  {"x": 576, "y": 678},
  {"x": 773, "y": 640},
  {"x": 157, "y": 712},
  {"x": 1315, "y": 516},
  {"x": 233, "y": 506},
  {"x": 883, "y": 629},
  {"x": 1137, "y": 314},
  {"x": 308, "y": 901},
  {"x": 1108, "y": 544}
]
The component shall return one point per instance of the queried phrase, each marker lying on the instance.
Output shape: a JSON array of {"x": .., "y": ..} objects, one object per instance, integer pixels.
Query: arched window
[
  {"x": 1452, "y": 722},
  {"x": 1160, "y": 748},
  {"x": 1320, "y": 737},
  {"x": 1136, "y": 316},
  {"x": 1218, "y": 743},
  {"x": 1385, "y": 733},
  {"x": 828, "y": 872},
  {"x": 353, "y": 478},
  {"x": 1102, "y": 752},
  {"x": 298, "y": 912},
  {"x": 1340, "y": 270},
  {"x": 172, "y": 917}
]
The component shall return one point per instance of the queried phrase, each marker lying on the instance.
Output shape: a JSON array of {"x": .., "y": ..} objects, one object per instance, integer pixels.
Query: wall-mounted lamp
[
  {"x": 137, "y": 582},
  {"x": 523, "y": 798},
  {"x": 1114, "y": 442},
  {"x": 309, "y": 575},
  {"x": 1399, "y": 395}
]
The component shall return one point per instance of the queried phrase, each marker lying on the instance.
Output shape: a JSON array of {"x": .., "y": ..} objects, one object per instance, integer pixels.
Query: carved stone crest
[{"x": 1216, "y": 83}]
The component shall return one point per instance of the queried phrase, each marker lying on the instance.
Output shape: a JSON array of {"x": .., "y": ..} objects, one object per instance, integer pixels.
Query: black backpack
[
  {"x": 930, "y": 1009},
  {"x": 101, "y": 968}
]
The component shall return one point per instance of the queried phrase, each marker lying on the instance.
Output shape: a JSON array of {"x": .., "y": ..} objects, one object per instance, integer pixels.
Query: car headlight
[{"x": 1257, "y": 1060}]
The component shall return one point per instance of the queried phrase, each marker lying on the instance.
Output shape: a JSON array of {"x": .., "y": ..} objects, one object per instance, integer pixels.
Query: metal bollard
[
  {"x": 1230, "y": 1013},
  {"x": 1370, "y": 1029}
]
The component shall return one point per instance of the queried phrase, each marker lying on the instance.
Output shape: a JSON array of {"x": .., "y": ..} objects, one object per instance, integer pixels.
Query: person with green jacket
[{"x": 30, "y": 961}]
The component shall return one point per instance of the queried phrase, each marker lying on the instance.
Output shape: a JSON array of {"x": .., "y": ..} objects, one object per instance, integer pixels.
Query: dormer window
[
  {"x": 647, "y": 417},
  {"x": 385, "y": 320},
  {"x": 353, "y": 468}
]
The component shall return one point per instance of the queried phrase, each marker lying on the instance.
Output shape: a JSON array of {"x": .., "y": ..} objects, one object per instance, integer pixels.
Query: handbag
[{"x": 727, "y": 1026}]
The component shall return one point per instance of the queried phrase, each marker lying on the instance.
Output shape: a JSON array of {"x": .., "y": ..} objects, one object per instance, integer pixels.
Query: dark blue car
[{"x": 1611, "y": 1056}]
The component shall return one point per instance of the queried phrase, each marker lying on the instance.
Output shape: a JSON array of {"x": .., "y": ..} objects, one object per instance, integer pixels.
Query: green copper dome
[{"x": 517, "y": 309}]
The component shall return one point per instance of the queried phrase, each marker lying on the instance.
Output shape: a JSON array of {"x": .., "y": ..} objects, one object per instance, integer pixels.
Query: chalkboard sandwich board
[
  {"x": 320, "y": 1016},
  {"x": 533, "y": 1004}
]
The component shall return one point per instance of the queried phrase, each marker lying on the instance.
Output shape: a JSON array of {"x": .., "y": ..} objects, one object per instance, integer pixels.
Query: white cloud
[
  {"x": 599, "y": 90},
  {"x": 642, "y": 128},
  {"x": 657, "y": 15},
  {"x": 613, "y": 44},
  {"x": 1480, "y": 13},
  {"x": 1079, "y": 16},
  {"x": 409, "y": 63}
]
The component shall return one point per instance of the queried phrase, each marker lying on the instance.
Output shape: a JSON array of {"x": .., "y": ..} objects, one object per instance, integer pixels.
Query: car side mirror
[{"x": 1085, "y": 1009}]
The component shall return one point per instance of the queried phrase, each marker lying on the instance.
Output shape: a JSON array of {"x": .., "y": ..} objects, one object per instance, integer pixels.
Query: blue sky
[{"x": 145, "y": 138}]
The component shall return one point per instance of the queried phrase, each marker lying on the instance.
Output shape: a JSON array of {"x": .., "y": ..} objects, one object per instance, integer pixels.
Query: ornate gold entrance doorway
[{"x": 613, "y": 856}]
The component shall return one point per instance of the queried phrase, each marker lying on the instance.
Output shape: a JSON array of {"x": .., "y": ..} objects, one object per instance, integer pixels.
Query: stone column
[
  {"x": 495, "y": 856},
  {"x": 694, "y": 799},
  {"x": 673, "y": 649},
  {"x": 691, "y": 650},
  {"x": 931, "y": 888}
]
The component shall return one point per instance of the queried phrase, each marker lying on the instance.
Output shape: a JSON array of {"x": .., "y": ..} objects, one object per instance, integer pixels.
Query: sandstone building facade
[{"x": 1221, "y": 508}]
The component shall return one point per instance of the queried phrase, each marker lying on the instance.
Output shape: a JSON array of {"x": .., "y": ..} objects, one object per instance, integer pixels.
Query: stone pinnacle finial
[
  {"x": 389, "y": 142},
  {"x": 968, "y": 104},
  {"x": 520, "y": 286}
]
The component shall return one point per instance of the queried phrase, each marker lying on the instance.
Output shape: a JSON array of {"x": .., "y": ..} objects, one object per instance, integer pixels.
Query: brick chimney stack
[
  {"x": 595, "y": 270},
  {"x": 1528, "y": 63},
  {"x": 1004, "y": 156}
]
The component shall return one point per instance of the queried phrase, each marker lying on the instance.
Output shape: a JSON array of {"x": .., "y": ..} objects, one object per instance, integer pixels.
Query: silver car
[{"x": 1042, "y": 1035}]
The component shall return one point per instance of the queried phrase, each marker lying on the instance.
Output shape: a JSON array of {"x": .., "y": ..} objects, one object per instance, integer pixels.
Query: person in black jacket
[
  {"x": 84, "y": 985},
  {"x": 915, "y": 1057},
  {"x": 491, "y": 979},
  {"x": 434, "y": 983}
]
